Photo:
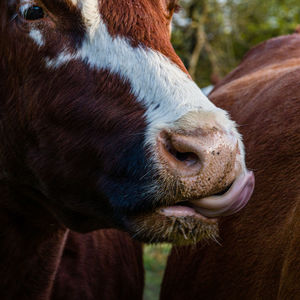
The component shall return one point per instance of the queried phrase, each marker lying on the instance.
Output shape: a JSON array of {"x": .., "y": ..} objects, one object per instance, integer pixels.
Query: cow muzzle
[
  {"x": 202, "y": 176},
  {"x": 206, "y": 164}
]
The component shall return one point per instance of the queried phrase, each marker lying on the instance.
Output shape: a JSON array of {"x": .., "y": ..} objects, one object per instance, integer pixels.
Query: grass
[{"x": 155, "y": 258}]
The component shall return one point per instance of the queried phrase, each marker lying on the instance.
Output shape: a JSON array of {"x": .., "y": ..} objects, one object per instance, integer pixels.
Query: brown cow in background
[{"x": 259, "y": 252}]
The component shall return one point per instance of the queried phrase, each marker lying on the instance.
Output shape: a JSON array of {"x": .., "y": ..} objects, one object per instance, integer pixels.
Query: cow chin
[
  {"x": 173, "y": 220},
  {"x": 180, "y": 230}
]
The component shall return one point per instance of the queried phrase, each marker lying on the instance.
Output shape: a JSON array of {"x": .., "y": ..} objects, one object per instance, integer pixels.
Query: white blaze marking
[
  {"x": 161, "y": 86},
  {"x": 91, "y": 15},
  {"x": 36, "y": 35}
]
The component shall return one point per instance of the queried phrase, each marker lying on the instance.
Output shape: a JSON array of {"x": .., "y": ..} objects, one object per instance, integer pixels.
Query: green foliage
[
  {"x": 230, "y": 28},
  {"x": 155, "y": 257}
]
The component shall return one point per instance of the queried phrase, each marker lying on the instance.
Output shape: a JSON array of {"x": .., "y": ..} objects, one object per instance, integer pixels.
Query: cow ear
[{"x": 172, "y": 6}]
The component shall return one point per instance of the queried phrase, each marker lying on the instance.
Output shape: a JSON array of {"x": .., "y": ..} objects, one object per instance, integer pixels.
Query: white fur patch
[
  {"x": 90, "y": 13},
  {"x": 62, "y": 58},
  {"x": 159, "y": 85},
  {"x": 24, "y": 5},
  {"x": 36, "y": 35}
]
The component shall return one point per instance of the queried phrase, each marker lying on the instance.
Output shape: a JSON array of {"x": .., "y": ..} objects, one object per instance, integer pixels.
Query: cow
[
  {"x": 101, "y": 127},
  {"x": 258, "y": 255}
]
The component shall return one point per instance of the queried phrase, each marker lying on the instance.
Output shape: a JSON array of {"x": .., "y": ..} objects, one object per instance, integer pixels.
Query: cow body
[
  {"x": 104, "y": 264},
  {"x": 41, "y": 259},
  {"x": 259, "y": 252}
]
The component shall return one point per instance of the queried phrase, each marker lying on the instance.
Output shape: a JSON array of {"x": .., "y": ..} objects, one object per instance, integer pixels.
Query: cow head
[{"x": 100, "y": 120}]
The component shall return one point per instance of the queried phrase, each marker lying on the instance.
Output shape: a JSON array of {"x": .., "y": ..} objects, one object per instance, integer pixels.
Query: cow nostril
[
  {"x": 178, "y": 152},
  {"x": 187, "y": 157},
  {"x": 193, "y": 154}
]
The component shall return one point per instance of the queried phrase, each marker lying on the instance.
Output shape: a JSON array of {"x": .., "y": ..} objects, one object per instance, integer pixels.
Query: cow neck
[{"x": 31, "y": 246}]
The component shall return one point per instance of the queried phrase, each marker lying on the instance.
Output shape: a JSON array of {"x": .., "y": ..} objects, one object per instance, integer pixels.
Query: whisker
[{"x": 13, "y": 17}]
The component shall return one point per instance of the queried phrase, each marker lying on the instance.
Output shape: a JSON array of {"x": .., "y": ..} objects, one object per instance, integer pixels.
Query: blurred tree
[{"x": 211, "y": 36}]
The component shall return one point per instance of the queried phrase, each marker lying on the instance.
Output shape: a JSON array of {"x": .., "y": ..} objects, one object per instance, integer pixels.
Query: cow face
[{"x": 101, "y": 121}]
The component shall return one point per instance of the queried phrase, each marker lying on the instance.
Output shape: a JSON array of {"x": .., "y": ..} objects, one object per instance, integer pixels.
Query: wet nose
[{"x": 210, "y": 154}]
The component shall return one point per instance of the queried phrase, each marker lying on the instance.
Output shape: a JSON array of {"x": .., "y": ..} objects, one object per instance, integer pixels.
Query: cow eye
[{"x": 33, "y": 13}]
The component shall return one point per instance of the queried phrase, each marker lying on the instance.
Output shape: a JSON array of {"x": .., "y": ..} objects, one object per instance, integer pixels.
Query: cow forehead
[
  {"x": 142, "y": 22},
  {"x": 121, "y": 15}
]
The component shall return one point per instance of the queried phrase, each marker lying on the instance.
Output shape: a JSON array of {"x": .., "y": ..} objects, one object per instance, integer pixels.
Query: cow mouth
[
  {"x": 193, "y": 220},
  {"x": 226, "y": 203}
]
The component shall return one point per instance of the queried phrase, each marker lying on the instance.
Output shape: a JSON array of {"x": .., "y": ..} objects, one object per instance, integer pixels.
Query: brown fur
[
  {"x": 104, "y": 264},
  {"x": 45, "y": 259},
  {"x": 259, "y": 255}
]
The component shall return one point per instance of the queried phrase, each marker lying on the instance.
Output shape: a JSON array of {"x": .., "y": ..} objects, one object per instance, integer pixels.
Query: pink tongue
[
  {"x": 231, "y": 202},
  {"x": 178, "y": 211}
]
